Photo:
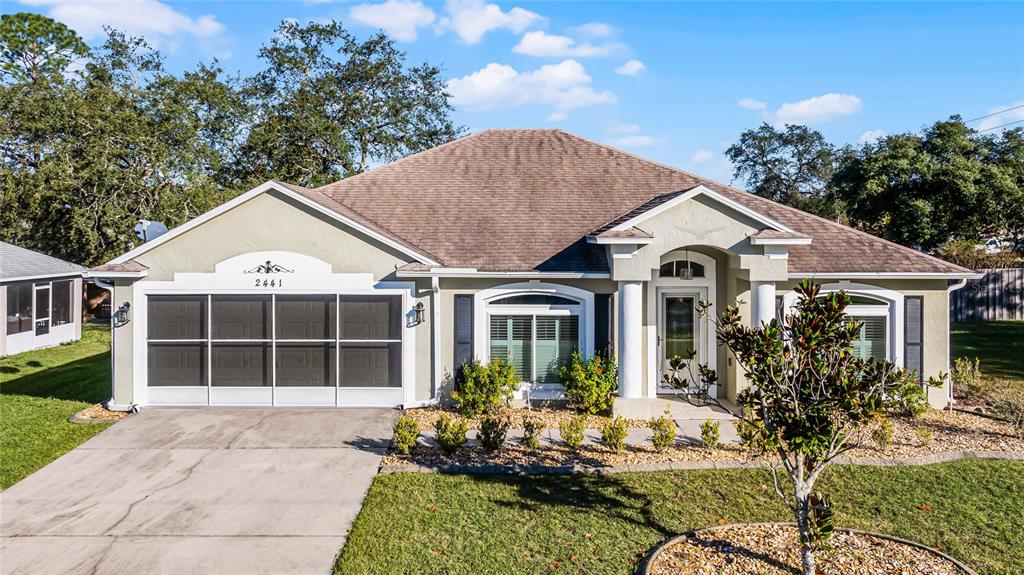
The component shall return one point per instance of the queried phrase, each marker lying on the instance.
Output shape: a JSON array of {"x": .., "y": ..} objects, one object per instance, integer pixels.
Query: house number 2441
[{"x": 269, "y": 283}]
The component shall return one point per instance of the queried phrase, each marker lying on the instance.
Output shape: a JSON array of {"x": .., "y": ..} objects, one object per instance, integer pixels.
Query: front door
[
  {"x": 41, "y": 311},
  {"x": 679, "y": 331}
]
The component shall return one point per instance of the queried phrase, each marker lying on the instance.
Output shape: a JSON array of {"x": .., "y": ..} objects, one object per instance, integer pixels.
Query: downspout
[
  {"x": 949, "y": 347},
  {"x": 113, "y": 363},
  {"x": 435, "y": 330}
]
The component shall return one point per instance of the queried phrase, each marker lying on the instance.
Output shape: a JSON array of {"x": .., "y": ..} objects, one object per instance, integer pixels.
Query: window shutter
[
  {"x": 602, "y": 324},
  {"x": 913, "y": 336},
  {"x": 463, "y": 331}
]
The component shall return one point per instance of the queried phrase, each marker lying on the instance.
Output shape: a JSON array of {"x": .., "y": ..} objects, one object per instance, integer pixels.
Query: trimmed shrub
[
  {"x": 924, "y": 436},
  {"x": 710, "y": 434},
  {"x": 664, "y": 431},
  {"x": 590, "y": 385},
  {"x": 406, "y": 432},
  {"x": 908, "y": 400},
  {"x": 485, "y": 388},
  {"x": 493, "y": 430},
  {"x": 572, "y": 431},
  {"x": 451, "y": 433},
  {"x": 966, "y": 375},
  {"x": 883, "y": 434},
  {"x": 1008, "y": 403},
  {"x": 613, "y": 434},
  {"x": 532, "y": 428}
]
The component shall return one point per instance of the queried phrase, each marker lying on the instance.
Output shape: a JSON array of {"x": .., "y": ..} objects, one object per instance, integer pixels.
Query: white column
[
  {"x": 763, "y": 304},
  {"x": 631, "y": 338}
]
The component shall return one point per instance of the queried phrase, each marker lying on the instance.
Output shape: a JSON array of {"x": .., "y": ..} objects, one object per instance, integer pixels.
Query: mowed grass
[
  {"x": 434, "y": 523},
  {"x": 39, "y": 390},
  {"x": 998, "y": 344}
]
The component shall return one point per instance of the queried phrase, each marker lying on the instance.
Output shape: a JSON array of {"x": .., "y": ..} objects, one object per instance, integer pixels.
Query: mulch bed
[
  {"x": 97, "y": 414},
  {"x": 773, "y": 549}
]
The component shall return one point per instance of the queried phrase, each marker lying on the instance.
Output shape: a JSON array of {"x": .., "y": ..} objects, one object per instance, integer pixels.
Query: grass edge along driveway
[
  {"x": 39, "y": 390},
  {"x": 436, "y": 523}
]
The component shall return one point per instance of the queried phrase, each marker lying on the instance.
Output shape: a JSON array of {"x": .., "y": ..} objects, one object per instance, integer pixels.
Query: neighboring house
[
  {"x": 43, "y": 299},
  {"x": 520, "y": 244}
]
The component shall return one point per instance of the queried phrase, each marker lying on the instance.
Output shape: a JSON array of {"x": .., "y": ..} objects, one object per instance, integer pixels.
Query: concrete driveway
[{"x": 210, "y": 490}]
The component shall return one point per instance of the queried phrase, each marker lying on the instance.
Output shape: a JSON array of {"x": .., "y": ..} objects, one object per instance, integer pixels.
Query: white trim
[
  {"x": 613, "y": 241},
  {"x": 42, "y": 276},
  {"x": 441, "y": 272},
  {"x": 697, "y": 191},
  {"x": 260, "y": 189},
  {"x": 114, "y": 275},
  {"x": 756, "y": 241},
  {"x": 894, "y": 311},
  {"x": 887, "y": 275}
]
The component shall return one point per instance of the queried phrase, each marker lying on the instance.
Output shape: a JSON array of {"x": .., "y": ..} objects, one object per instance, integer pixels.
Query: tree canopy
[
  {"x": 947, "y": 182},
  {"x": 95, "y": 138}
]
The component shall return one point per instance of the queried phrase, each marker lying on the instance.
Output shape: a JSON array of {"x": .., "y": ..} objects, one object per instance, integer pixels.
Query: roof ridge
[{"x": 757, "y": 198}]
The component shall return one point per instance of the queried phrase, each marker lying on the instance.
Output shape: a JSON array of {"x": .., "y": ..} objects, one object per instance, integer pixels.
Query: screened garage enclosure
[{"x": 274, "y": 349}]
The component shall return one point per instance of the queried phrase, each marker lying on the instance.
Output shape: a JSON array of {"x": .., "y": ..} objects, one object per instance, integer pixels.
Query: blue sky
[{"x": 673, "y": 81}]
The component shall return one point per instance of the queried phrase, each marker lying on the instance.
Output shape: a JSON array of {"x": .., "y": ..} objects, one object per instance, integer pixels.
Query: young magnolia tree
[{"x": 808, "y": 394}]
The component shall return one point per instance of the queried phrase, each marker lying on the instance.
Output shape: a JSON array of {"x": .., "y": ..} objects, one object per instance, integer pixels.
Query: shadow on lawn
[
  {"x": 606, "y": 494},
  {"x": 86, "y": 379}
]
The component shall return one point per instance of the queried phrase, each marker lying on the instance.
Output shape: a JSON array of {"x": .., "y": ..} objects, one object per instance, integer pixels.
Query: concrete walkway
[{"x": 198, "y": 491}]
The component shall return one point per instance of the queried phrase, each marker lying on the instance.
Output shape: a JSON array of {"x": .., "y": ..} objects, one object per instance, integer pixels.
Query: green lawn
[
  {"x": 433, "y": 523},
  {"x": 999, "y": 345},
  {"x": 39, "y": 390}
]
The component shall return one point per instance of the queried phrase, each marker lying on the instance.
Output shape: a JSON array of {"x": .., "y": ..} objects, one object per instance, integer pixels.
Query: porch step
[{"x": 678, "y": 409}]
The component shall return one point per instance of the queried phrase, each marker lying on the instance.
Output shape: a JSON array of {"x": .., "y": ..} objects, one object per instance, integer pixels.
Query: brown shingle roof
[
  {"x": 519, "y": 200},
  {"x": 128, "y": 266},
  {"x": 777, "y": 235}
]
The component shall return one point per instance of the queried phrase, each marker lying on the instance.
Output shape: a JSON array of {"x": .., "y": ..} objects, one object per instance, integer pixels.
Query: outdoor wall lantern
[
  {"x": 417, "y": 313},
  {"x": 123, "y": 315}
]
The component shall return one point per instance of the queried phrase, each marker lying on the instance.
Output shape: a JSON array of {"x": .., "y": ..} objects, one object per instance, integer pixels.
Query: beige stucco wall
[{"x": 268, "y": 222}]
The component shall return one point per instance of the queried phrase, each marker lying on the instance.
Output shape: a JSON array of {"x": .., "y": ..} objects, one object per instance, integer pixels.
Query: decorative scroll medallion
[{"x": 268, "y": 268}]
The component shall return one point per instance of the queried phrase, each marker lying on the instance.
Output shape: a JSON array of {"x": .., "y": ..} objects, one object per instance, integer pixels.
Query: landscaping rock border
[
  {"x": 945, "y": 457},
  {"x": 96, "y": 414},
  {"x": 644, "y": 567}
]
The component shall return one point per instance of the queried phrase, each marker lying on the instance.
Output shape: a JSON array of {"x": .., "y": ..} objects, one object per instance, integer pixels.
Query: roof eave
[{"x": 887, "y": 275}]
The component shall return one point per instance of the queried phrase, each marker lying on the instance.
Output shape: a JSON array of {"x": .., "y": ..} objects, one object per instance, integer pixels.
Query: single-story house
[
  {"x": 518, "y": 244},
  {"x": 43, "y": 299}
]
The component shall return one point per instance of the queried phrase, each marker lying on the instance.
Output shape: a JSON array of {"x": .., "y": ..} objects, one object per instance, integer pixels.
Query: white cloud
[
  {"x": 553, "y": 46},
  {"x": 636, "y": 141},
  {"x": 594, "y": 30},
  {"x": 617, "y": 128},
  {"x": 472, "y": 19},
  {"x": 702, "y": 156},
  {"x": 818, "y": 109},
  {"x": 870, "y": 137},
  {"x": 631, "y": 68},
  {"x": 1001, "y": 118},
  {"x": 399, "y": 18},
  {"x": 557, "y": 116},
  {"x": 155, "y": 21},
  {"x": 565, "y": 86},
  {"x": 752, "y": 104}
]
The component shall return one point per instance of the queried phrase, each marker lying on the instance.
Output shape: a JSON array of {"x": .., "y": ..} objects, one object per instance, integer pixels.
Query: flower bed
[
  {"x": 773, "y": 549},
  {"x": 550, "y": 417}
]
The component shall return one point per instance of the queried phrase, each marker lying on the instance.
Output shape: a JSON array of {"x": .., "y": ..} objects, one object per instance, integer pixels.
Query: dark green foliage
[
  {"x": 590, "y": 384},
  {"x": 406, "y": 433},
  {"x": 485, "y": 388},
  {"x": 572, "y": 431},
  {"x": 710, "y": 434},
  {"x": 450, "y": 433},
  {"x": 532, "y": 428},
  {"x": 613, "y": 434},
  {"x": 493, "y": 430},
  {"x": 664, "y": 431}
]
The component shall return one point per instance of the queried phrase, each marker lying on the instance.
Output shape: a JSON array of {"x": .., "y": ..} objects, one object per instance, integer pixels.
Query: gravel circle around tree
[{"x": 774, "y": 549}]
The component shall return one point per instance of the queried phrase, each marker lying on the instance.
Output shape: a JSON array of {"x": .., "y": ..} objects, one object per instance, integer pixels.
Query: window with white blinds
[
  {"x": 871, "y": 342},
  {"x": 536, "y": 345}
]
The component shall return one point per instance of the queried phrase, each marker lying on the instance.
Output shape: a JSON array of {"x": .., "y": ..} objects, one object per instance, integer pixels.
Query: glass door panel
[
  {"x": 679, "y": 331},
  {"x": 42, "y": 310}
]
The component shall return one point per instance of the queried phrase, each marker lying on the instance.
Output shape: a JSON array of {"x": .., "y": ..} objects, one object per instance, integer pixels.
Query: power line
[
  {"x": 996, "y": 113},
  {"x": 1001, "y": 126}
]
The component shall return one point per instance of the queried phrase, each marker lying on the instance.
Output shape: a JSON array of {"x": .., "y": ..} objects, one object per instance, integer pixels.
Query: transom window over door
[{"x": 536, "y": 333}]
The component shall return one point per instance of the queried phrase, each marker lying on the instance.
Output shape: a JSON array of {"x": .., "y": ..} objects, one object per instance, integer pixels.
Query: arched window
[
  {"x": 534, "y": 299},
  {"x": 683, "y": 269}
]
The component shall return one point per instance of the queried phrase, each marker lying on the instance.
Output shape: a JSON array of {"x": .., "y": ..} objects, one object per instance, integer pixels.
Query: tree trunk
[{"x": 803, "y": 523}]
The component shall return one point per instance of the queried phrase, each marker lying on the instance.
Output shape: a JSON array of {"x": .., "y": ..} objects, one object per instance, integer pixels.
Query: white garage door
[{"x": 274, "y": 349}]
